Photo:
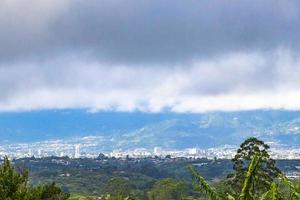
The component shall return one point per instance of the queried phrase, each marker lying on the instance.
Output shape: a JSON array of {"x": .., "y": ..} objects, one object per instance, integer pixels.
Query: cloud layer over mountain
[{"x": 149, "y": 55}]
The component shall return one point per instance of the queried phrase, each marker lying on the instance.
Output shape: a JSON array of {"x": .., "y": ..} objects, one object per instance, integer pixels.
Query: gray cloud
[
  {"x": 145, "y": 31},
  {"x": 231, "y": 82},
  {"x": 149, "y": 55}
]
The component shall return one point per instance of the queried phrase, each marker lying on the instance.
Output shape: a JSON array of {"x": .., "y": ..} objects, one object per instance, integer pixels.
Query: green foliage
[
  {"x": 267, "y": 166},
  {"x": 203, "y": 185},
  {"x": 83, "y": 197},
  {"x": 118, "y": 197},
  {"x": 272, "y": 194},
  {"x": 80, "y": 197},
  {"x": 248, "y": 187},
  {"x": 51, "y": 192},
  {"x": 14, "y": 186},
  {"x": 255, "y": 174},
  {"x": 167, "y": 189},
  {"x": 294, "y": 188},
  {"x": 118, "y": 186}
]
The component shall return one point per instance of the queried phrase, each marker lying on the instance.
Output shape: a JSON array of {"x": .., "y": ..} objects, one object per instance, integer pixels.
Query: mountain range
[{"x": 147, "y": 130}]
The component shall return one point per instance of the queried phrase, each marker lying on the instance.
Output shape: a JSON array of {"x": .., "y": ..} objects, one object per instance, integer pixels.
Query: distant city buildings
[
  {"x": 157, "y": 151},
  {"x": 30, "y": 153},
  {"x": 88, "y": 148},
  {"x": 77, "y": 151}
]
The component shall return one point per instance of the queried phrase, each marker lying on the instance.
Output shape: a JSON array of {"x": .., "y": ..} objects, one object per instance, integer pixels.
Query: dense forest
[{"x": 251, "y": 174}]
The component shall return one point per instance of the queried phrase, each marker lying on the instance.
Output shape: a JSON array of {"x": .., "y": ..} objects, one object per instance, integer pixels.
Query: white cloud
[
  {"x": 230, "y": 82},
  {"x": 185, "y": 56}
]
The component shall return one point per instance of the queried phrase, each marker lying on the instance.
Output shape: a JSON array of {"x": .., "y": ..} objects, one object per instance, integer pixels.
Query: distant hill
[{"x": 172, "y": 130}]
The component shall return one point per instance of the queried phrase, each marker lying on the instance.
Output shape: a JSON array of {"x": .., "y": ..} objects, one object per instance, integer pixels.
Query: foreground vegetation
[
  {"x": 14, "y": 186},
  {"x": 259, "y": 179},
  {"x": 251, "y": 187},
  {"x": 254, "y": 176}
]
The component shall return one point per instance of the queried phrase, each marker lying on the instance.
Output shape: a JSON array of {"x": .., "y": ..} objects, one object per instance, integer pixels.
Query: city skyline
[{"x": 77, "y": 150}]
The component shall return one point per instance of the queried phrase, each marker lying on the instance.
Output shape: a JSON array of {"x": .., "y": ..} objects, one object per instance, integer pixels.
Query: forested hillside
[{"x": 154, "y": 178}]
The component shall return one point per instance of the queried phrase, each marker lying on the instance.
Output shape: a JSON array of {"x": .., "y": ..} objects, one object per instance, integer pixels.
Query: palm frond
[
  {"x": 246, "y": 193},
  {"x": 211, "y": 191},
  {"x": 295, "y": 194}
]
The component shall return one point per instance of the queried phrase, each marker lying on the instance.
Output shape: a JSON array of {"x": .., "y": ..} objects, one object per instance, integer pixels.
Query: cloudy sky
[{"x": 149, "y": 55}]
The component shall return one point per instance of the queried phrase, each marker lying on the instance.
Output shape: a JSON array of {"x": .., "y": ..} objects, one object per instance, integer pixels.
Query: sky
[{"x": 149, "y": 55}]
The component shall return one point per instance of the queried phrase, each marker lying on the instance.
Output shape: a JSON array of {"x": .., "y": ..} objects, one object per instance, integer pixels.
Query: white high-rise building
[
  {"x": 77, "y": 151},
  {"x": 29, "y": 152},
  {"x": 193, "y": 151},
  {"x": 157, "y": 151},
  {"x": 117, "y": 153},
  {"x": 39, "y": 153}
]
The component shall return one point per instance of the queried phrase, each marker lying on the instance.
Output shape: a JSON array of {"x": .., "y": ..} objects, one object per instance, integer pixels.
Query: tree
[
  {"x": 267, "y": 167},
  {"x": 249, "y": 185},
  {"x": 117, "y": 186},
  {"x": 250, "y": 179},
  {"x": 167, "y": 189},
  {"x": 294, "y": 188},
  {"x": 52, "y": 192},
  {"x": 119, "y": 197},
  {"x": 101, "y": 156},
  {"x": 202, "y": 185},
  {"x": 14, "y": 186}
]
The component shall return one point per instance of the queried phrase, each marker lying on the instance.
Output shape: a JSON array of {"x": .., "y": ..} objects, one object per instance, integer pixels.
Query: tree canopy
[
  {"x": 14, "y": 186},
  {"x": 267, "y": 166}
]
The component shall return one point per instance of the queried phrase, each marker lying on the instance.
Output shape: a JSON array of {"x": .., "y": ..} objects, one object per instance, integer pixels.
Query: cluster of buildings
[
  {"x": 39, "y": 151},
  {"x": 285, "y": 153},
  {"x": 222, "y": 153},
  {"x": 80, "y": 150}
]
